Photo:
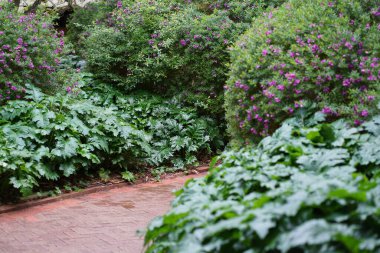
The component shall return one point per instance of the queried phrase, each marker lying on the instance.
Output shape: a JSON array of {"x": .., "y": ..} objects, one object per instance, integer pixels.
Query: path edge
[{"x": 32, "y": 203}]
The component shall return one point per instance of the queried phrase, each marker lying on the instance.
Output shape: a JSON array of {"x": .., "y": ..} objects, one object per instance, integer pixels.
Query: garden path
[{"x": 99, "y": 222}]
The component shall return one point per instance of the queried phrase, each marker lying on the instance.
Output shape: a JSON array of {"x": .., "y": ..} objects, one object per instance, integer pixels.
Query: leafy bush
[
  {"x": 241, "y": 11},
  {"x": 191, "y": 49},
  {"x": 320, "y": 51},
  {"x": 30, "y": 51},
  {"x": 82, "y": 17},
  {"x": 119, "y": 52},
  {"x": 311, "y": 188},
  {"x": 50, "y": 137},
  {"x": 169, "y": 47}
]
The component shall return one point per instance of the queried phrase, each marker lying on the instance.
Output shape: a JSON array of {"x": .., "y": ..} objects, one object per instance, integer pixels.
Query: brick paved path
[{"x": 98, "y": 222}]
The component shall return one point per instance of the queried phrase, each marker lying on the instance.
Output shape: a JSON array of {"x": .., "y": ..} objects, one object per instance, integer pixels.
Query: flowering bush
[
  {"x": 240, "y": 11},
  {"x": 29, "y": 51},
  {"x": 119, "y": 51},
  {"x": 320, "y": 51},
  {"x": 195, "y": 56},
  {"x": 98, "y": 12},
  {"x": 170, "y": 47}
]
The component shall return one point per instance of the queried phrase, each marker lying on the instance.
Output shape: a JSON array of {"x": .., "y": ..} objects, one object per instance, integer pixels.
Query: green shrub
[
  {"x": 30, "y": 51},
  {"x": 319, "y": 51},
  {"x": 119, "y": 52},
  {"x": 193, "y": 56},
  {"x": 240, "y": 11},
  {"x": 169, "y": 47},
  {"x": 53, "y": 137},
  {"x": 82, "y": 17},
  {"x": 308, "y": 188}
]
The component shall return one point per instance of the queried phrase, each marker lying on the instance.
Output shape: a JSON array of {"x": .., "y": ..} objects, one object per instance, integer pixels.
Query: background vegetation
[
  {"x": 313, "y": 51},
  {"x": 146, "y": 86}
]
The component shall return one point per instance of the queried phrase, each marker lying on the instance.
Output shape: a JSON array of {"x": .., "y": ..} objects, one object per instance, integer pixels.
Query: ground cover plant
[
  {"x": 307, "y": 188},
  {"x": 57, "y": 123},
  {"x": 319, "y": 51},
  {"x": 47, "y": 138}
]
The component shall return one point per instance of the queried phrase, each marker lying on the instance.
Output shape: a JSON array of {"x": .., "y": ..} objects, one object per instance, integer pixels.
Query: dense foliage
[
  {"x": 50, "y": 137},
  {"x": 171, "y": 47},
  {"x": 320, "y": 51},
  {"x": 92, "y": 13},
  {"x": 308, "y": 188},
  {"x": 29, "y": 53}
]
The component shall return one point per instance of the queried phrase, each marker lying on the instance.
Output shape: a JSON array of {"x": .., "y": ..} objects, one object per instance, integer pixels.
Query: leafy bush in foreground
[
  {"x": 321, "y": 51},
  {"x": 305, "y": 189},
  {"x": 51, "y": 137},
  {"x": 29, "y": 53}
]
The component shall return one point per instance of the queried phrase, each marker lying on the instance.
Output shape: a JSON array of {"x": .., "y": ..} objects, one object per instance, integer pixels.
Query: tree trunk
[{"x": 33, "y": 7}]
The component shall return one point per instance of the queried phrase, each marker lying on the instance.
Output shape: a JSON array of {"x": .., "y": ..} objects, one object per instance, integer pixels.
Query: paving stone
[{"x": 99, "y": 222}]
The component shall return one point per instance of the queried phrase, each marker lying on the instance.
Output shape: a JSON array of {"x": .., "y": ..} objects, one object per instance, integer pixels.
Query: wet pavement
[{"x": 98, "y": 222}]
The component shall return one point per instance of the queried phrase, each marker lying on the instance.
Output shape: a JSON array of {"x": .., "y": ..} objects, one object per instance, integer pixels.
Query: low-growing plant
[
  {"x": 322, "y": 51},
  {"x": 308, "y": 188},
  {"x": 47, "y": 138}
]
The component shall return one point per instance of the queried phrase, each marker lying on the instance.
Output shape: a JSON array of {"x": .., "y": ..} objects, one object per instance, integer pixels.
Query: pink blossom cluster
[
  {"x": 29, "y": 51},
  {"x": 334, "y": 73}
]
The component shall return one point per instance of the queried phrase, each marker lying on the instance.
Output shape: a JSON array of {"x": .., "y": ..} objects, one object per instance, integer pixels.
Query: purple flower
[
  {"x": 372, "y": 78},
  {"x": 346, "y": 82},
  {"x": 348, "y": 45},
  {"x": 290, "y": 76},
  {"x": 264, "y": 52},
  {"x": 370, "y": 98},
  {"x": 183, "y": 42},
  {"x": 20, "y": 41},
  {"x": 327, "y": 110},
  {"x": 364, "y": 113},
  {"x": 119, "y": 4}
]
